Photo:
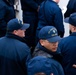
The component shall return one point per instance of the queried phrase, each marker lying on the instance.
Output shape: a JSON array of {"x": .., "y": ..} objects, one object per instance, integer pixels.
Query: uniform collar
[{"x": 10, "y": 35}]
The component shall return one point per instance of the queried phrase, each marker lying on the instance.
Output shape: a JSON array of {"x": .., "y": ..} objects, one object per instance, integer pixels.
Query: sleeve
[{"x": 58, "y": 20}]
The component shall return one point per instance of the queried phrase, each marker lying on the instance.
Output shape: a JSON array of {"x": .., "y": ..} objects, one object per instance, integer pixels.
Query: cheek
[
  {"x": 49, "y": 46},
  {"x": 22, "y": 32},
  {"x": 52, "y": 48}
]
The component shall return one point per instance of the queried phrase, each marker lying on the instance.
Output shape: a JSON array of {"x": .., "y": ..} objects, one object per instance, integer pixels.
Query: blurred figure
[
  {"x": 68, "y": 47},
  {"x": 6, "y": 13},
  {"x": 14, "y": 54},
  {"x": 30, "y": 15},
  {"x": 50, "y": 14},
  {"x": 41, "y": 65},
  {"x": 45, "y": 55},
  {"x": 71, "y": 8}
]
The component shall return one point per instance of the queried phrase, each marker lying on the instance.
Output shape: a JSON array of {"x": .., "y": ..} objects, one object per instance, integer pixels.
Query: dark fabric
[
  {"x": 30, "y": 15},
  {"x": 50, "y": 14},
  {"x": 40, "y": 55},
  {"x": 6, "y": 13},
  {"x": 32, "y": 19},
  {"x": 45, "y": 65},
  {"x": 29, "y": 5},
  {"x": 68, "y": 50},
  {"x": 71, "y": 8},
  {"x": 14, "y": 55}
]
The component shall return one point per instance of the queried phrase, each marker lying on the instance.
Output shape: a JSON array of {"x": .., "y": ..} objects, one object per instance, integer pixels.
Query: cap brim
[
  {"x": 25, "y": 26},
  {"x": 66, "y": 20},
  {"x": 54, "y": 39}
]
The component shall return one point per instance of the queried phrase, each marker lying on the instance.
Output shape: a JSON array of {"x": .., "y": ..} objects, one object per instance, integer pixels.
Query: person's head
[
  {"x": 57, "y": 1},
  {"x": 40, "y": 66},
  {"x": 72, "y": 22},
  {"x": 48, "y": 38},
  {"x": 16, "y": 27}
]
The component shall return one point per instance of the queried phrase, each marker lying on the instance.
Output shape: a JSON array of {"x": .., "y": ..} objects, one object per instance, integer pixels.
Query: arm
[{"x": 58, "y": 20}]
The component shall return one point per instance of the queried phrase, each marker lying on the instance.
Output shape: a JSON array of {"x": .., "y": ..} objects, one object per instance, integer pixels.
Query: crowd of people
[{"x": 35, "y": 45}]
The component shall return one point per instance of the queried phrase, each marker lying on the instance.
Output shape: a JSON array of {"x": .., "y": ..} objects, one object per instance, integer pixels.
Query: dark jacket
[
  {"x": 29, "y": 5},
  {"x": 50, "y": 14},
  {"x": 30, "y": 15},
  {"x": 6, "y": 13},
  {"x": 40, "y": 50},
  {"x": 43, "y": 52},
  {"x": 14, "y": 55},
  {"x": 71, "y": 8},
  {"x": 68, "y": 50}
]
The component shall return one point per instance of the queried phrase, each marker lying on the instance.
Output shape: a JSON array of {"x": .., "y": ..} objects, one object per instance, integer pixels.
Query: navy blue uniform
[
  {"x": 50, "y": 14},
  {"x": 68, "y": 50},
  {"x": 71, "y": 8},
  {"x": 14, "y": 55},
  {"x": 30, "y": 15},
  {"x": 6, "y": 13}
]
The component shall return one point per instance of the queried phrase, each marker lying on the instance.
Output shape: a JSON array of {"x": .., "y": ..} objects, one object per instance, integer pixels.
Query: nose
[{"x": 56, "y": 44}]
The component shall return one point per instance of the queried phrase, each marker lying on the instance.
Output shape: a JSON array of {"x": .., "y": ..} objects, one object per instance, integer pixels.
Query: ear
[
  {"x": 75, "y": 28},
  {"x": 41, "y": 42},
  {"x": 15, "y": 32}
]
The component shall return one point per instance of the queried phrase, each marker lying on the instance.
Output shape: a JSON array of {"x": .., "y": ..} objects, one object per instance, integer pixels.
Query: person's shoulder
[
  {"x": 54, "y": 6},
  {"x": 2, "y": 38},
  {"x": 21, "y": 44},
  {"x": 64, "y": 39}
]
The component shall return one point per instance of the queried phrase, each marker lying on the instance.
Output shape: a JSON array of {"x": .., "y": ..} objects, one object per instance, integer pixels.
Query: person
[
  {"x": 30, "y": 10},
  {"x": 68, "y": 47},
  {"x": 44, "y": 55},
  {"x": 71, "y": 8},
  {"x": 7, "y": 13},
  {"x": 50, "y": 14},
  {"x": 14, "y": 54}
]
